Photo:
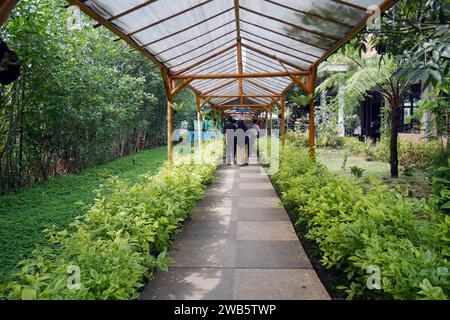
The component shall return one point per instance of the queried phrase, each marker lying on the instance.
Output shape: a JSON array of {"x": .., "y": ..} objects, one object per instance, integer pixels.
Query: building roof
[{"x": 231, "y": 50}]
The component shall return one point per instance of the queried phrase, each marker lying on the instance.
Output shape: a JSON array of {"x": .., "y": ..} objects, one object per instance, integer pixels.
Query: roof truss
[{"x": 231, "y": 55}]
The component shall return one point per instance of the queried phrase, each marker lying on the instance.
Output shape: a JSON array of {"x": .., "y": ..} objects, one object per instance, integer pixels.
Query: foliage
[
  {"x": 421, "y": 155},
  {"x": 356, "y": 226},
  {"x": 417, "y": 33},
  {"x": 328, "y": 131},
  {"x": 361, "y": 149},
  {"x": 356, "y": 171},
  {"x": 385, "y": 125},
  {"x": 344, "y": 162},
  {"x": 23, "y": 215},
  {"x": 418, "y": 156},
  {"x": 301, "y": 100},
  {"x": 351, "y": 122},
  {"x": 121, "y": 240},
  {"x": 82, "y": 98},
  {"x": 436, "y": 102},
  {"x": 362, "y": 76},
  {"x": 299, "y": 138},
  {"x": 441, "y": 188},
  {"x": 354, "y": 146}
]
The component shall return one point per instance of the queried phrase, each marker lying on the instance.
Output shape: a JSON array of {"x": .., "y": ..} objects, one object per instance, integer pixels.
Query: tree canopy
[{"x": 82, "y": 97}]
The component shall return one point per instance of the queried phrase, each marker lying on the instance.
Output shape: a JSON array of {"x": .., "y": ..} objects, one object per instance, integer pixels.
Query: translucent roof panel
[{"x": 212, "y": 41}]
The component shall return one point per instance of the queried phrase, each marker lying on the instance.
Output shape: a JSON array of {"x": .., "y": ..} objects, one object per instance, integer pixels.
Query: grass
[
  {"x": 24, "y": 215},
  {"x": 417, "y": 184}
]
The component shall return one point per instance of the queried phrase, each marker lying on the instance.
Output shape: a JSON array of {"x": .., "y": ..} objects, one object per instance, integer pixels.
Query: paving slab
[
  {"x": 238, "y": 243},
  {"x": 256, "y": 175},
  {"x": 216, "y": 201},
  {"x": 206, "y": 213},
  {"x": 215, "y": 229},
  {"x": 256, "y": 186},
  {"x": 278, "y": 284},
  {"x": 204, "y": 253},
  {"x": 265, "y": 231},
  {"x": 258, "y": 202},
  {"x": 271, "y": 255},
  {"x": 254, "y": 193},
  {"x": 259, "y": 214},
  {"x": 191, "y": 284}
]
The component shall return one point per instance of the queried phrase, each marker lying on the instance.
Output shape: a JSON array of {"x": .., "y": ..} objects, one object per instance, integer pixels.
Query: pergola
[{"x": 234, "y": 54}]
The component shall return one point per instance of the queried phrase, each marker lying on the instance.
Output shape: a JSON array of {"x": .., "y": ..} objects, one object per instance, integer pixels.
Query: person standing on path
[
  {"x": 230, "y": 147},
  {"x": 242, "y": 144}
]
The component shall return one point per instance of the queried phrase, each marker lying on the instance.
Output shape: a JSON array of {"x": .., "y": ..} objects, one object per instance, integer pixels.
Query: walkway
[{"x": 238, "y": 244}]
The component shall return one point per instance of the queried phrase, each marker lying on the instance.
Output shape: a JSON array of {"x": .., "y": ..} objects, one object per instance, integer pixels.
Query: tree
[
  {"x": 371, "y": 73},
  {"x": 82, "y": 97},
  {"x": 412, "y": 44},
  {"x": 417, "y": 34}
]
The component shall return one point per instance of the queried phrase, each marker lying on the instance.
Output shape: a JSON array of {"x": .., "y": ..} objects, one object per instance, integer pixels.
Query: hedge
[
  {"x": 358, "y": 225},
  {"x": 119, "y": 243}
]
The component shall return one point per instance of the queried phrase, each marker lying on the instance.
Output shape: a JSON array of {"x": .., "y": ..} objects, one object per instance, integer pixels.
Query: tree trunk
[{"x": 395, "y": 118}]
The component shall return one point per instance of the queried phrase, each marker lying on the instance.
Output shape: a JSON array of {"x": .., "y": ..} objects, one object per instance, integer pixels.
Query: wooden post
[
  {"x": 267, "y": 123},
  {"x": 5, "y": 9},
  {"x": 169, "y": 128},
  {"x": 271, "y": 121},
  {"x": 311, "y": 86},
  {"x": 283, "y": 121},
  {"x": 199, "y": 120},
  {"x": 168, "y": 85}
]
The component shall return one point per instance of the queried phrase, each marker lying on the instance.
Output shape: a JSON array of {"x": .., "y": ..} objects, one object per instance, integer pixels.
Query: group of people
[{"x": 240, "y": 141}]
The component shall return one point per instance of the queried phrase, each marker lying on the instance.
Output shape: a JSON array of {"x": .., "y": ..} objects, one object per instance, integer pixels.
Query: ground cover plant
[
  {"x": 357, "y": 226},
  {"x": 25, "y": 214},
  {"x": 82, "y": 98},
  {"x": 120, "y": 241}
]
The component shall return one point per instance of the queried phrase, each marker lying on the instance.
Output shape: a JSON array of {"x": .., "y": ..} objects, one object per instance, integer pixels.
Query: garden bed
[
  {"x": 357, "y": 227},
  {"x": 417, "y": 183},
  {"x": 123, "y": 238},
  {"x": 25, "y": 214}
]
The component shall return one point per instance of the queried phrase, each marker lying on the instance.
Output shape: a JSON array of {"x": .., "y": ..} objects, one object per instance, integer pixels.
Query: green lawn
[
  {"x": 25, "y": 214},
  {"x": 417, "y": 184}
]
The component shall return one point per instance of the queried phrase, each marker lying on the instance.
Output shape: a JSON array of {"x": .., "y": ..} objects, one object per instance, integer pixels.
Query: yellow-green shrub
[
  {"x": 120, "y": 242},
  {"x": 358, "y": 226},
  {"x": 421, "y": 156}
]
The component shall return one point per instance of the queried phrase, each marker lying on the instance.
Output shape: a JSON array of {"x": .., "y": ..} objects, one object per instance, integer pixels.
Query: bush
[
  {"x": 329, "y": 140},
  {"x": 354, "y": 146},
  {"x": 358, "y": 226},
  {"x": 120, "y": 242},
  {"x": 382, "y": 151},
  {"x": 420, "y": 156},
  {"x": 441, "y": 188},
  {"x": 298, "y": 138},
  {"x": 356, "y": 171}
]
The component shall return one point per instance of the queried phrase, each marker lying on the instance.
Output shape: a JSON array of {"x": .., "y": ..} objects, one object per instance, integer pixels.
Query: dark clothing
[
  {"x": 228, "y": 126},
  {"x": 230, "y": 145}
]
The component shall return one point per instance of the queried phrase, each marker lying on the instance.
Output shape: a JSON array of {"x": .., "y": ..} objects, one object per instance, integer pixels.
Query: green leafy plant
[
  {"x": 441, "y": 188},
  {"x": 121, "y": 240},
  {"x": 356, "y": 226},
  {"x": 344, "y": 163},
  {"x": 302, "y": 100},
  {"x": 356, "y": 171}
]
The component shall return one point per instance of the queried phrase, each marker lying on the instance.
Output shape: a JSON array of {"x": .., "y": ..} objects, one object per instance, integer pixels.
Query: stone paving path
[{"x": 238, "y": 244}]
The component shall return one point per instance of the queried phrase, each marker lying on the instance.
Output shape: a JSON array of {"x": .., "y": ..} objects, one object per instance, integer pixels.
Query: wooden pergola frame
[{"x": 175, "y": 81}]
